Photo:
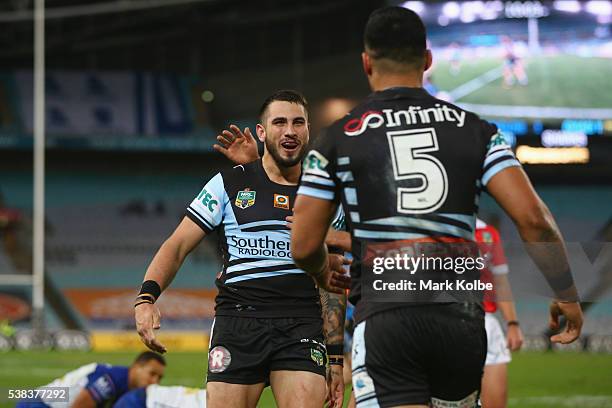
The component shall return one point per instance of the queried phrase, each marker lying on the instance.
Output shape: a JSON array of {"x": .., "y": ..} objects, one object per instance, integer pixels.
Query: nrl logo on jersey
[{"x": 245, "y": 199}]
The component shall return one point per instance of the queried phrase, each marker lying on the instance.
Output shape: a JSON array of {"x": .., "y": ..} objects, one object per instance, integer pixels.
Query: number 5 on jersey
[{"x": 409, "y": 150}]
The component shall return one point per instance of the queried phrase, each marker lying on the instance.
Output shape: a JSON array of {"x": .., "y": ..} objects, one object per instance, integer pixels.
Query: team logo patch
[
  {"x": 486, "y": 237},
  {"x": 317, "y": 356},
  {"x": 281, "y": 201},
  {"x": 219, "y": 358},
  {"x": 363, "y": 385},
  {"x": 370, "y": 119},
  {"x": 245, "y": 199}
]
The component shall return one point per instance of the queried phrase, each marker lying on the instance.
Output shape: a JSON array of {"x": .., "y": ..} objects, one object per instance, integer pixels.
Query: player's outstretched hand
[
  {"x": 515, "y": 337},
  {"x": 335, "y": 386},
  {"x": 148, "y": 317},
  {"x": 334, "y": 279},
  {"x": 573, "y": 321},
  {"x": 238, "y": 146}
]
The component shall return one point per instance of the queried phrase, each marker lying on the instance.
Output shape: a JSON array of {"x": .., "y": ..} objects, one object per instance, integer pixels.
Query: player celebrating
[
  {"x": 407, "y": 167},
  {"x": 159, "y": 396},
  {"x": 268, "y": 325},
  {"x": 98, "y": 384},
  {"x": 494, "y": 393}
]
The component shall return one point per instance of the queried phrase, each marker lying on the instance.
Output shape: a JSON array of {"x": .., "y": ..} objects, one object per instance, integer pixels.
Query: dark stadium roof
[{"x": 198, "y": 36}]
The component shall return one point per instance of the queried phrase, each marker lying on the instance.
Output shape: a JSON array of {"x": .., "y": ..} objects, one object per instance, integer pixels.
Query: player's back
[{"x": 407, "y": 167}]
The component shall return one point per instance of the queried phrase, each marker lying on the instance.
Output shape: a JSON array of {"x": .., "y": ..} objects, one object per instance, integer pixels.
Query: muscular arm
[
  {"x": 514, "y": 193},
  {"x": 334, "y": 312},
  {"x": 84, "y": 400},
  {"x": 173, "y": 252},
  {"x": 311, "y": 220}
]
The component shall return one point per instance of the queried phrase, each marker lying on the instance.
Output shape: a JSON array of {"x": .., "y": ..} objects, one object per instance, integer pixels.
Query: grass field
[
  {"x": 561, "y": 81},
  {"x": 537, "y": 380}
]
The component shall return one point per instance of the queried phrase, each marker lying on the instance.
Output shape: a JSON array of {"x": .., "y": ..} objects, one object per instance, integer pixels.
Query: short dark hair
[
  {"x": 284, "y": 95},
  {"x": 147, "y": 356},
  {"x": 395, "y": 33}
]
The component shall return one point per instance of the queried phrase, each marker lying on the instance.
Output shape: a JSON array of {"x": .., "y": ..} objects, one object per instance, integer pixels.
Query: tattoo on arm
[{"x": 334, "y": 311}]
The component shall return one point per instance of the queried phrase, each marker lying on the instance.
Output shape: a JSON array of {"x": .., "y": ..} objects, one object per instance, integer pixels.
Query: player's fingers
[
  {"x": 229, "y": 136},
  {"x": 289, "y": 218},
  {"x": 220, "y": 149},
  {"x": 249, "y": 135},
  {"x": 156, "y": 345},
  {"x": 223, "y": 141},
  {"x": 553, "y": 321},
  {"x": 237, "y": 132}
]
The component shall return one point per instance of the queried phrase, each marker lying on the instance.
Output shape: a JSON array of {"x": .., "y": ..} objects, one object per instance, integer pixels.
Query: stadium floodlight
[
  {"x": 601, "y": 8},
  {"x": 443, "y": 20},
  {"x": 451, "y": 9},
  {"x": 416, "y": 6},
  {"x": 568, "y": 6},
  {"x": 467, "y": 17}
]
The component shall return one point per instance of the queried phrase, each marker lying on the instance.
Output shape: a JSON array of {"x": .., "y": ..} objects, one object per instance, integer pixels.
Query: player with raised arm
[
  {"x": 241, "y": 148},
  {"x": 494, "y": 390},
  {"x": 408, "y": 168},
  {"x": 95, "y": 384},
  {"x": 268, "y": 326}
]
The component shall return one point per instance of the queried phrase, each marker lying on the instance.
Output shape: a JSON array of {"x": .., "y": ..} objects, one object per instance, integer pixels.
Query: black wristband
[
  {"x": 334, "y": 349},
  {"x": 152, "y": 288},
  {"x": 336, "y": 361},
  {"x": 512, "y": 323}
]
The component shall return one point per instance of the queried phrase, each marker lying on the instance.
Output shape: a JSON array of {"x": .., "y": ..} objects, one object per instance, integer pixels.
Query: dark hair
[
  {"x": 147, "y": 356},
  {"x": 395, "y": 33},
  {"x": 284, "y": 95}
]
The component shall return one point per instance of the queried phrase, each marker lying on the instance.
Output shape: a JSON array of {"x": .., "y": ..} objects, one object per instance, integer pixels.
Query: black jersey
[
  {"x": 404, "y": 166},
  {"x": 259, "y": 277}
]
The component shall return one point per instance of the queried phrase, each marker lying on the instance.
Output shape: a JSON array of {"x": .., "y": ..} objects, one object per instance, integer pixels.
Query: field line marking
[{"x": 476, "y": 83}]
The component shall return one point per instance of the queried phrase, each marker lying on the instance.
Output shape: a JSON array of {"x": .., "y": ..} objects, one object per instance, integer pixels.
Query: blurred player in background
[
  {"x": 267, "y": 327},
  {"x": 494, "y": 392},
  {"x": 410, "y": 176},
  {"x": 159, "y": 396},
  {"x": 97, "y": 384},
  {"x": 514, "y": 69}
]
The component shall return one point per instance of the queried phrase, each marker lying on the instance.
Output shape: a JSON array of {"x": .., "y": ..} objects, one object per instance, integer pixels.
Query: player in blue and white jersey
[
  {"x": 159, "y": 396},
  {"x": 96, "y": 384},
  {"x": 268, "y": 326}
]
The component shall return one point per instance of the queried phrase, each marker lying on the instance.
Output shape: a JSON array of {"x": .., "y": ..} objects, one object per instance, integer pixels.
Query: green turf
[
  {"x": 537, "y": 380},
  {"x": 563, "y": 81}
]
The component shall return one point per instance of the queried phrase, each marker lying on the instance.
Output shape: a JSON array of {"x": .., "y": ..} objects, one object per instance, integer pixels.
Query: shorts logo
[
  {"x": 370, "y": 119},
  {"x": 281, "y": 201},
  {"x": 315, "y": 164},
  {"x": 467, "y": 402},
  {"x": 245, "y": 199},
  {"x": 363, "y": 385},
  {"x": 317, "y": 357},
  {"x": 219, "y": 358}
]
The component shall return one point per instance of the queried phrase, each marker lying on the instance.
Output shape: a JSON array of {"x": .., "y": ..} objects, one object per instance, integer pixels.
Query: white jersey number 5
[{"x": 409, "y": 150}]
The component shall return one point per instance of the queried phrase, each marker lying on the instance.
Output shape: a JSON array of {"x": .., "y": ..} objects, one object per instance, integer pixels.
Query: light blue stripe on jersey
[
  {"x": 264, "y": 275},
  {"x": 424, "y": 224},
  {"x": 497, "y": 168},
  {"x": 258, "y": 264},
  {"x": 344, "y": 160},
  {"x": 359, "y": 233},
  {"x": 495, "y": 155},
  {"x": 318, "y": 180},
  {"x": 315, "y": 192},
  {"x": 351, "y": 195},
  {"x": 345, "y": 176},
  {"x": 355, "y": 216}
]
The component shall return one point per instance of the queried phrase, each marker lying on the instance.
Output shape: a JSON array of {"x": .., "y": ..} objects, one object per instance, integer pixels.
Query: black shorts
[
  {"x": 420, "y": 355},
  {"x": 244, "y": 350}
]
